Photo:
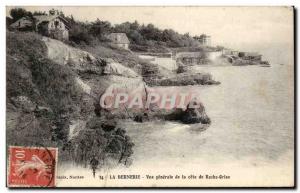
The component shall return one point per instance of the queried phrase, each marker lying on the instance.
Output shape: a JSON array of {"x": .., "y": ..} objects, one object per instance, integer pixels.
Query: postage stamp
[{"x": 31, "y": 166}]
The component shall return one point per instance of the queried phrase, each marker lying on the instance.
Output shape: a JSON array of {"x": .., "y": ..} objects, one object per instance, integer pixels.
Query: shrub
[{"x": 31, "y": 74}]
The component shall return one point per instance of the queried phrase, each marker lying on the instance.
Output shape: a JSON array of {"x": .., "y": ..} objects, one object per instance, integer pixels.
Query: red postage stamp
[{"x": 32, "y": 166}]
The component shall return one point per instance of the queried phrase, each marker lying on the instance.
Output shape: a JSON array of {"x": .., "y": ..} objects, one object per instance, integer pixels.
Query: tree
[
  {"x": 18, "y": 13},
  {"x": 79, "y": 33},
  {"x": 100, "y": 28},
  {"x": 122, "y": 28},
  {"x": 135, "y": 25},
  {"x": 150, "y": 32},
  {"x": 136, "y": 37},
  {"x": 39, "y": 13}
]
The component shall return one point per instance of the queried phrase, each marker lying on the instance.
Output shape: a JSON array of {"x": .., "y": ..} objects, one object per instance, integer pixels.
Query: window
[{"x": 56, "y": 23}]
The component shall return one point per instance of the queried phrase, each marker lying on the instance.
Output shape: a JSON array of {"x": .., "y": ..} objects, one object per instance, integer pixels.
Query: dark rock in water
[
  {"x": 175, "y": 115},
  {"x": 212, "y": 82},
  {"x": 138, "y": 118},
  {"x": 141, "y": 118},
  {"x": 184, "y": 79},
  {"x": 195, "y": 113},
  {"x": 264, "y": 63}
]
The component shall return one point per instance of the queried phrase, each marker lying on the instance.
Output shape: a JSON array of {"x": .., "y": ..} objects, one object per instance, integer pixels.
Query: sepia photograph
[{"x": 150, "y": 96}]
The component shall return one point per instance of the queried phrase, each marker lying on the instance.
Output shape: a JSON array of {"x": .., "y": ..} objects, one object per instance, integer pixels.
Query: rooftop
[{"x": 47, "y": 18}]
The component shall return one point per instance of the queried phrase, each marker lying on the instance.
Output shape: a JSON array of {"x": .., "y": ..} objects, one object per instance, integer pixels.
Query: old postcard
[{"x": 150, "y": 96}]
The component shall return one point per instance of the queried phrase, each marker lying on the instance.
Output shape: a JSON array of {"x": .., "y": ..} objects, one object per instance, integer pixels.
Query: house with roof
[
  {"x": 204, "y": 40},
  {"x": 53, "y": 26},
  {"x": 23, "y": 24},
  {"x": 119, "y": 39}
]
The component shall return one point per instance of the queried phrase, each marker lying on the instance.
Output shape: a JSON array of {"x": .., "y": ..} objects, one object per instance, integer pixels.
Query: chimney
[{"x": 53, "y": 12}]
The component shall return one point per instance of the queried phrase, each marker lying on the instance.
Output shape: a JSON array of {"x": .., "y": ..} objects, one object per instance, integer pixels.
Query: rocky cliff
[{"x": 53, "y": 93}]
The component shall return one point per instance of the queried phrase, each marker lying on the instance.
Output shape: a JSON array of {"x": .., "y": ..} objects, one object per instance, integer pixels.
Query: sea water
[{"x": 250, "y": 139}]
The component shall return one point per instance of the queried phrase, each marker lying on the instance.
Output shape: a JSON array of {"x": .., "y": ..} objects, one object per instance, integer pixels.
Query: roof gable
[
  {"x": 40, "y": 19},
  {"x": 24, "y": 20},
  {"x": 47, "y": 18}
]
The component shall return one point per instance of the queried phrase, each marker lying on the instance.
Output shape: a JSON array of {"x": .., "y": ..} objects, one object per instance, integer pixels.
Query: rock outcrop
[
  {"x": 184, "y": 79},
  {"x": 52, "y": 99},
  {"x": 77, "y": 59},
  {"x": 113, "y": 68},
  {"x": 83, "y": 61},
  {"x": 99, "y": 76},
  {"x": 195, "y": 113}
]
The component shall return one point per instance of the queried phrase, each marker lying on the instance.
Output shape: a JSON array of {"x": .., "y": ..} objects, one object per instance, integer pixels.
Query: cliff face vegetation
[
  {"x": 49, "y": 105},
  {"x": 33, "y": 79},
  {"x": 53, "y": 92},
  {"x": 143, "y": 38}
]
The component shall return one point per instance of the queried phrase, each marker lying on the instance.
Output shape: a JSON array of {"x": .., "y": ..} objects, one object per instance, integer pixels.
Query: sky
[{"x": 243, "y": 28}]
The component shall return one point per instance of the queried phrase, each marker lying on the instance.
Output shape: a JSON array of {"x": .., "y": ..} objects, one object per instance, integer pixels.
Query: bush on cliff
[
  {"x": 42, "y": 100},
  {"x": 31, "y": 74},
  {"x": 101, "y": 140}
]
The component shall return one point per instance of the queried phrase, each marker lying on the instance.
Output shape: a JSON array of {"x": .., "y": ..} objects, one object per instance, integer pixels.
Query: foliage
[
  {"x": 79, "y": 34},
  {"x": 18, "y": 13},
  {"x": 150, "y": 36},
  {"x": 39, "y": 13},
  {"x": 99, "y": 28},
  {"x": 142, "y": 37},
  {"x": 100, "y": 140},
  {"x": 31, "y": 74}
]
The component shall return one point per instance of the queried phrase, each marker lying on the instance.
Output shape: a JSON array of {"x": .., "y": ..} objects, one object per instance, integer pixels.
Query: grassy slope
[
  {"x": 43, "y": 75},
  {"x": 31, "y": 74}
]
